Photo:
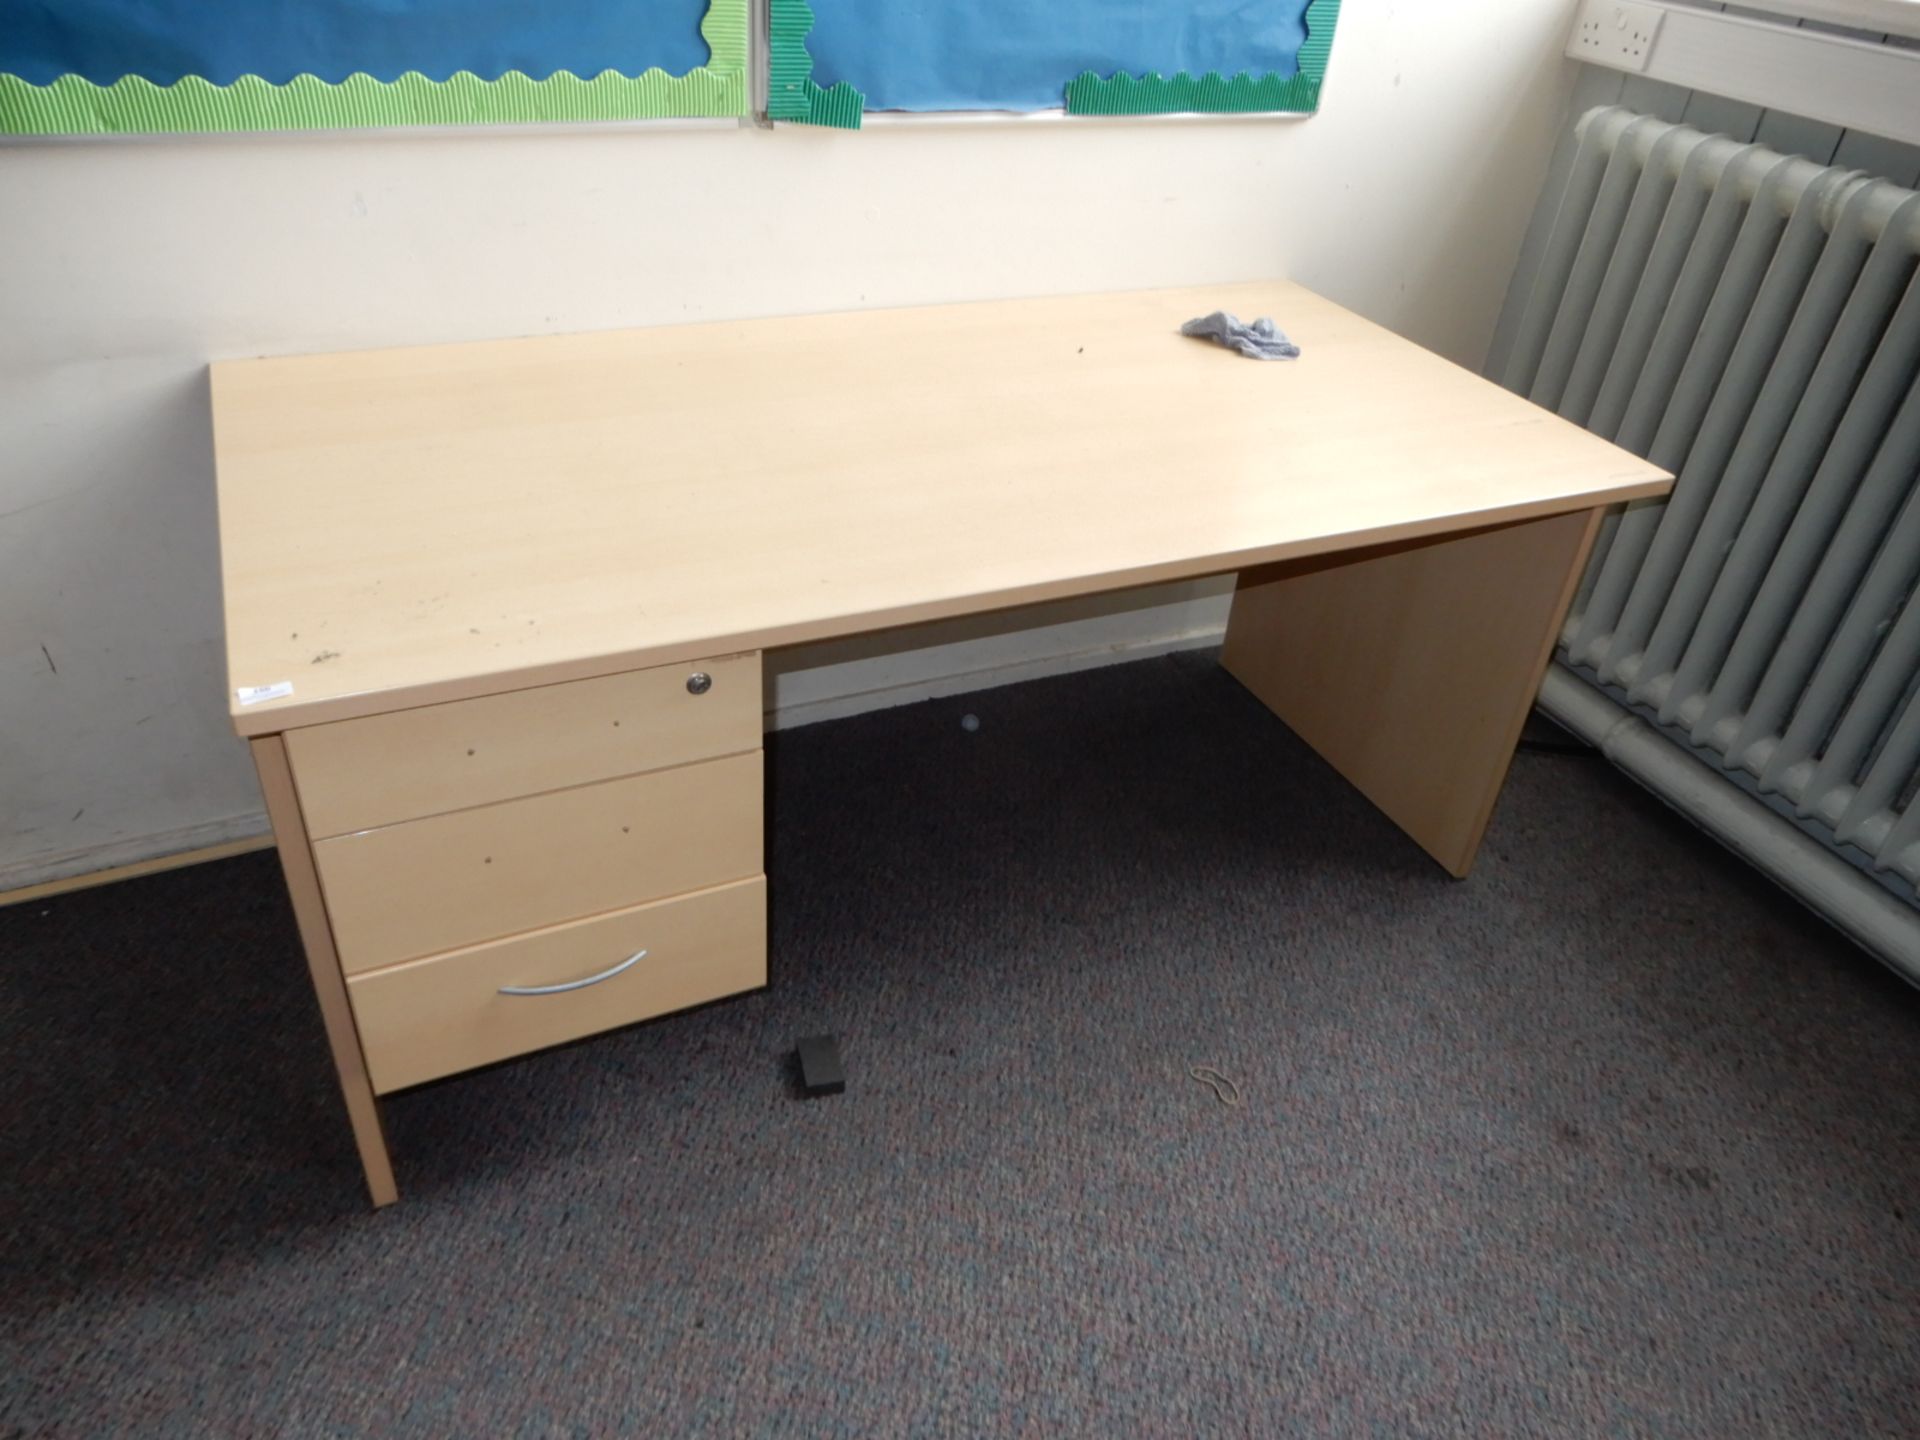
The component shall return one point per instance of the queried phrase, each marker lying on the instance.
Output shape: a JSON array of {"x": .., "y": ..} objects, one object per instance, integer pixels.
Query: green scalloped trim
[
  {"x": 1211, "y": 94},
  {"x": 73, "y": 105},
  {"x": 792, "y": 92},
  {"x": 1299, "y": 93}
]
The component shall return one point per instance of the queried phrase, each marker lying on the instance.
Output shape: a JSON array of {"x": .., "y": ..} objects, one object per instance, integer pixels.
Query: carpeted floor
[{"x": 1611, "y": 1139}]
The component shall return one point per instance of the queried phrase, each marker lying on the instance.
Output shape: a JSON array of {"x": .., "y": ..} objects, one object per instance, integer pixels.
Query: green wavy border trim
[
  {"x": 1299, "y": 93},
  {"x": 792, "y": 92},
  {"x": 73, "y": 105},
  {"x": 1210, "y": 94}
]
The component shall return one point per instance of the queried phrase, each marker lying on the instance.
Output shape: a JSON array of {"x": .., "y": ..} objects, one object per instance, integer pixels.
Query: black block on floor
[{"x": 820, "y": 1069}]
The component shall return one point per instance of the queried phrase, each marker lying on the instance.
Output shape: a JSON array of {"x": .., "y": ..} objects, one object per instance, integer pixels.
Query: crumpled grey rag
[{"x": 1258, "y": 341}]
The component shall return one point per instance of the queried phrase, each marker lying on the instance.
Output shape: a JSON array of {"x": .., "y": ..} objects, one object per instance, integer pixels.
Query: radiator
[{"x": 1750, "y": 321}]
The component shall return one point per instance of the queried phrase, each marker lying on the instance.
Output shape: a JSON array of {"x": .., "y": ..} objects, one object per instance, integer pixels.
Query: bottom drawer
[{"x": 447, "y": 1013}]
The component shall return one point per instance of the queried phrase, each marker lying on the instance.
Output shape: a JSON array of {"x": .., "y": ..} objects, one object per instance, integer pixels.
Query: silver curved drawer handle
[{"x": 561, "y": 989}]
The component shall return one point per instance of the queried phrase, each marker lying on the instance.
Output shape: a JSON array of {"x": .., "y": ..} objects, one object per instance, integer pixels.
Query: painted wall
[{"x": 125, "y": 266}]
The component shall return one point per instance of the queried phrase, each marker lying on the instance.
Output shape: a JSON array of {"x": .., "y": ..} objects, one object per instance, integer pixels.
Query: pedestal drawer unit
[{"x": 526, "y": 868}]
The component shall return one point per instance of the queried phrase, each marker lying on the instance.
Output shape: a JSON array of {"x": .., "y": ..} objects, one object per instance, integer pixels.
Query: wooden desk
[{"x": 520, "y": 589}]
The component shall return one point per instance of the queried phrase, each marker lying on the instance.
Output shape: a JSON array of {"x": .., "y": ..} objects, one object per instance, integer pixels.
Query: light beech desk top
[{"x": 400, "y": 527}]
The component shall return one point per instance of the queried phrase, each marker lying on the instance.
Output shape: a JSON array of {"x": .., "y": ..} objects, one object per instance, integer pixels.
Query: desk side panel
[{"x": 1412, "y": 668}]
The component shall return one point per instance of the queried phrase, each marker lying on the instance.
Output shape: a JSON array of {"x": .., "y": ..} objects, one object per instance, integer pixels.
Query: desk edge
[{"x": 276, "y": 716}]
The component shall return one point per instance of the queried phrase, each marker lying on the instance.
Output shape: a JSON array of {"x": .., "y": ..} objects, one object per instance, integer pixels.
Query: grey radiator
[{"x": 1750, "y": 321}]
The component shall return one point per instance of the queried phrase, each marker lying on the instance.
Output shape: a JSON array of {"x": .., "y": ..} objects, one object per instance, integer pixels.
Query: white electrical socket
[{"x": 1615, "y": 33}]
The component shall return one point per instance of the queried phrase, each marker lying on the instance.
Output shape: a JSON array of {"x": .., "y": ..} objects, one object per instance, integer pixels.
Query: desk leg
[
  {"x": 316, "y": 935},
  {"x": 1411, "y": 667}
]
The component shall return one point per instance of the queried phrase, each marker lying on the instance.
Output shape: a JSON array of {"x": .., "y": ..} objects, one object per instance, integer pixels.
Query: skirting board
[
  {"x": 44, "y": 877},
  {"x": 806, "y": 686},
  {"x": 914, "y": 688}
]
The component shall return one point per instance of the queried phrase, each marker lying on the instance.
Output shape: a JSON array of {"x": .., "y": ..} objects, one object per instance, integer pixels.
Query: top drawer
[{"x": 408, "y": 764}]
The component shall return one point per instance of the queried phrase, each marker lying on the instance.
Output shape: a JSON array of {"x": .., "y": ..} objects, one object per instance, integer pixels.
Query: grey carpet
[{"x": 1611, "y": 1139}]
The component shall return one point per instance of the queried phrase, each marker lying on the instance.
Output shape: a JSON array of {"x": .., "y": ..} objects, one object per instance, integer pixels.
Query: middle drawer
[{"x": 428, "y": 885}]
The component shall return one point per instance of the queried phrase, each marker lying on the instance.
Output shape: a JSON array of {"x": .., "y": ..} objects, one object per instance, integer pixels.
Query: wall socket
[{"x": 1615, "y": 33}]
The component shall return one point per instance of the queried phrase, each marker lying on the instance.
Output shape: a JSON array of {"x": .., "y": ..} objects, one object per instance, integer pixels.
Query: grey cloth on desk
[{"x": 1258, "y": 341}]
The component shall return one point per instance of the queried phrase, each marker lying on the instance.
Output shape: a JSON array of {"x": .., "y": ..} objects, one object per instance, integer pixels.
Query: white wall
[{"x": 125, "y": 266}]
